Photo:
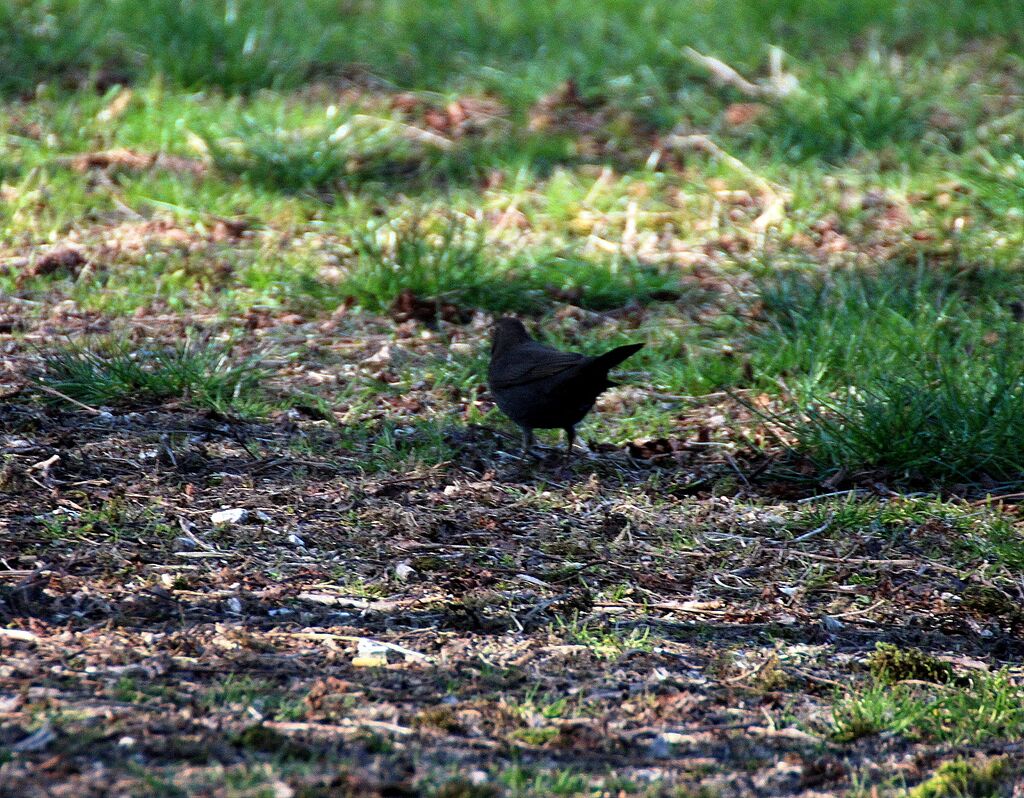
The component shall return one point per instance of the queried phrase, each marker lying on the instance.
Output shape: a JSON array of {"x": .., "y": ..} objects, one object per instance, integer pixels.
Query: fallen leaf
[
  {"x": 740, "y": 114},
  {"x": 60, "y": 258}
]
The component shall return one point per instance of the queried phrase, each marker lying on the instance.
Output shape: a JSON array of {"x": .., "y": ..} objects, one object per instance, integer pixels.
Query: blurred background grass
[{"x": 513, "y": 48}]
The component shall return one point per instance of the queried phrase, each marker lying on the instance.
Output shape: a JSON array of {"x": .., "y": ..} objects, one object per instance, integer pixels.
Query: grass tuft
[
  {"x": 979, "y": 776},
  {"x": 448, "y": 259},
  {"x": 943, "y": 422},
  {"x": 436, "y": 258},
  {"x": 909, "y": 371},
  {"x": 344, "y": 153},
  {"x": 989, "y": 708},
  {"x": 831, "y": 329},
  {"x": 890, "y": 664},
  {"x": 112, "y": 374},
  {"x": 834, "y": 117}
]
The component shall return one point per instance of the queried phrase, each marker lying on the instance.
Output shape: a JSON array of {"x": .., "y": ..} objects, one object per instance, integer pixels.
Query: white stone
[{"x": 236, "y": 515}]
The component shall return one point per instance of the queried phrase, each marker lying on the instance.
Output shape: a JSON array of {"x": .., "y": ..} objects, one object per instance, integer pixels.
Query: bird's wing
[{"x": 530, "y": 363}]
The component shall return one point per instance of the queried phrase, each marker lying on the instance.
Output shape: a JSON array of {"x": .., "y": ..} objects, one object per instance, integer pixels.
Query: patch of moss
[
  {"x": 439, "y": 717},
  {"x": 376, "y": 743},
  {"x": 540, "y": 736},
  {"x": 889, "y": 664},
  {"x": 428, "y": 563},
  {"x": 977, "y": 778},
  {"x": 990, "y": 601},
  {"x": 265, "y": 740},
  {"x": 771, "y": 677},
  {"x": 460, "y": 788}
]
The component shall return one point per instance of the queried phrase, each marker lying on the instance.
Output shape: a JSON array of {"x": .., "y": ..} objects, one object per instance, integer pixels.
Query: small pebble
[{"x": 236, "y": 515}]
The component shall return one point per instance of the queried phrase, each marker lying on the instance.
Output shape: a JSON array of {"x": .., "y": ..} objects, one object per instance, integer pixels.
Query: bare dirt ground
[{"x": 474, "y": 626}]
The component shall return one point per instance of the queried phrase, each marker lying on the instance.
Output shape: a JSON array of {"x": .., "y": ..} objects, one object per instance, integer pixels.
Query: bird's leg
[
  {"x": 570, "y": 439},
  {"x": 527, "y": 441}
]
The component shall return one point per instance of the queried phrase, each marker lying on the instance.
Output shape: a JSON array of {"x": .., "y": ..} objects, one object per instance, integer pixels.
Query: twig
[
  {"x": 541, "y": 606},
  {"x": 725, "y": 75},
  {"x": 1002, "y": 497},
  {"x": 816, "y": 531},
  {"x": 346, "y": 727},
  {"x": 411, "y": 131},
  {"x": 774, "y": 197},
  {"x": 820, "y": 496},
  {"x": 54, "y": 392},
  {"x": 19, "y": 634},
  {"x": 45, "y": 465},
  {"x": 819, "y": 679},
  {"x": 710, "y": 727},
  {"x": 752, "y": 672},
  {"x": 870, "y": 561},
  {"x": 860, "y": 611},
  {"x": 779, "y": 85},
  {"x": 732, "y": 462},
  {"x": 408, "y": 653},
  {"x": 698, "y": 400}
]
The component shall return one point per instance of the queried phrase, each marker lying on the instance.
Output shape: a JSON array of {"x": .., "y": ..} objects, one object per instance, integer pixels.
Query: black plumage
[{"x": 540, "y": 387}]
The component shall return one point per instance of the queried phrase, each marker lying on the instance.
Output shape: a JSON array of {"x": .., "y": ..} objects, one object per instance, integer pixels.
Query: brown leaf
[
  {"x": 565, "y": 109},
  {"x": 228, "y": 229},
  {"x": 461, "y": 117},
  {"x": 328, "y": 695},
  {"x": 409, "y": 307},
  {"x": 655, "y": 449},
  {"x": 740, "y": 114},
  {"x": 131, "y": 161},
  {"x": 60, "y": 258},
  {"x": 112, "y": 159}
]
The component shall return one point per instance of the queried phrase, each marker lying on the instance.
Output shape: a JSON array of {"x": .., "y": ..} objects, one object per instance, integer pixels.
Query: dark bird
[{"x": 539, "y": 387}]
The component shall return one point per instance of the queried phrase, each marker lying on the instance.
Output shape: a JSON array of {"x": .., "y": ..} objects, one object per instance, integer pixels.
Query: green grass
[
  {"x": 899, "y": 365},
  {"x": 908, "y": 371},
  {"x": 129, "y": 688},
  {"x": 394, "y": 446},
  {"x": 961, "y": 778},
  {"x": 969, "y": 534},
  {"x": 340, "y": 154},
  {"x": 990, "y": 708},
  {"x": 441, "y": 259},
  {"x": 111, "y": 521},
  {"x": 523, "y": 781},
  {"x": 244, "y": 691},
  {"x": 945, "y": 423},
  {"x": 834, "y": 328},
  {"x": 245, "y": 45},
  {"x": 834, "y": 116},
  {"x": 448, "y": 259},
  {"x": 113, "y": 373},
  {"x": 998, "y": 181},
  {"x": 607, "y": 643}
]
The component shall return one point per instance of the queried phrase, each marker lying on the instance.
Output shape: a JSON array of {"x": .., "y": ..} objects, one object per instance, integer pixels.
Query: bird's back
[
  {"x": 529, "y": 362},
  {"x": 539, "y": 386}
]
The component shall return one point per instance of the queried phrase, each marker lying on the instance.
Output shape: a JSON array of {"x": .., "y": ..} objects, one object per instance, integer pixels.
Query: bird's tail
[{"x": 611, "y": 359}]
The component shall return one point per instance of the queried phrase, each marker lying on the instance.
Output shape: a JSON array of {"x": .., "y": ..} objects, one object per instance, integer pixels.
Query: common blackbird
[{"x": 543, "y": 388}]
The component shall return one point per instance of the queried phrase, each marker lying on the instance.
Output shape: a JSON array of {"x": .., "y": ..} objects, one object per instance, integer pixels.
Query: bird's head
[{"x": 507, "y": 332}]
